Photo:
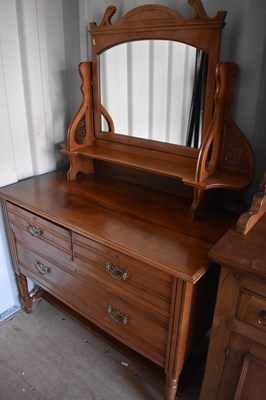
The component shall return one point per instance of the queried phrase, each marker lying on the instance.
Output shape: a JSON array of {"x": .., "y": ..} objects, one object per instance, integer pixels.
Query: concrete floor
[{"x": 47, "y": 356}]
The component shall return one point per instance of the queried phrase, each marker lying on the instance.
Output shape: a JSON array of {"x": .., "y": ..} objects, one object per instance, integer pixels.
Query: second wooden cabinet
[{"x": 236, "y": 365}]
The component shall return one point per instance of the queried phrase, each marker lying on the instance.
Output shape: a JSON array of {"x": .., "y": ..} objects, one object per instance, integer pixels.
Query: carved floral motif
[
  {"x": 80, "y": 132},
  {"x": 233, "y": 151}
]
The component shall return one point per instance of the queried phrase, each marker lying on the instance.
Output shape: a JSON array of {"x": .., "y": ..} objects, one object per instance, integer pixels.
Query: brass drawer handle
[
  {"x": 115, "y": 271},
  {"x": 117, "y": 316},
  {"x": 41, "y": 268},
  {"x": 34, "y": 230},
  {"x": 262, "y": 318}
]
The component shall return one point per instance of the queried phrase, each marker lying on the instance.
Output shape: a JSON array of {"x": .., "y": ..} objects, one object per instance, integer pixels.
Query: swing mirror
[
  {"x": 153, "y": 76},
  {"x": 154, "y": 89}
]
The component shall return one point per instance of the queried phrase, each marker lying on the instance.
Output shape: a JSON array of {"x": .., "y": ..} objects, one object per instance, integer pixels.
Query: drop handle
[
  {"x": 41, "y": 268},
  {"x": 262, "y": 318},
  {"x": 35, "y": 231},
  {"x": 115, "y": 271},
  {"x": 117, "y": 316}
]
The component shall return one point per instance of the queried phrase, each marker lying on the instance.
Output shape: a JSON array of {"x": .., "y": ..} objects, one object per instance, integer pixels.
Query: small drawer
[
  {"x": 129, "y": 321},
  {"x": 38, "y": 233},
  {"x": 252, "y": 309},
  {"x": 122, "y": 273}
]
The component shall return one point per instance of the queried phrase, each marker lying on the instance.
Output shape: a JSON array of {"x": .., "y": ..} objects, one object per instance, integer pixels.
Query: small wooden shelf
[
  {"x": 172, "y": 165},
  {"x": 223, "y": 180},
  {"x": 224, "y": 160}
]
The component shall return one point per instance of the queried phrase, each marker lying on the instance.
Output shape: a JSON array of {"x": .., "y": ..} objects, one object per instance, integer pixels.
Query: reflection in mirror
[{"x": 154, "y": 89}]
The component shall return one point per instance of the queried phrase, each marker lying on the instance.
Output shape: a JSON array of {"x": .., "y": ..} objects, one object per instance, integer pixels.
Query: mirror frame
[
  {"x": 225, "y": 159},
  {"x": 158, "y": 22}
]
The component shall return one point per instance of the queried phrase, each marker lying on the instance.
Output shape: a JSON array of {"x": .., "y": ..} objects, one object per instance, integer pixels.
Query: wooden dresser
[
  {"x": 123, "y": 237},
  {"x": 236, "y": 365},
  {"x": 124, "y": 256}
]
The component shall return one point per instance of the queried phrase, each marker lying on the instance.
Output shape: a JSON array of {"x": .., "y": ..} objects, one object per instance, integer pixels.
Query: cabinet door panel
[
  {"x": 252, "y": 382},
  {"x": 244, "y": 371}
]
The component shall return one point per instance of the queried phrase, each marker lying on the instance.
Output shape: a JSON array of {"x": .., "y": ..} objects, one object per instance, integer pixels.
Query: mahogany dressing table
[{"x": 123, "y": 237}]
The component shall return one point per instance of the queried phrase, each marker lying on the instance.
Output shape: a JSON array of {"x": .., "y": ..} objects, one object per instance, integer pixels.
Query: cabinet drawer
[
  {"x": 137, "y": 326},
  {"x": 39, "y": 234},
  {"x": 122, "y": 273},
  {"x": 252, "y": 309}
]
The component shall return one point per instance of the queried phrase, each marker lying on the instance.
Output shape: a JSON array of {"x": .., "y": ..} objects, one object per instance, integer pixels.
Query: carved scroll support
[
  {"x": 80, "y": 131},
  {"x": 225, "y": 148},
  {"x": 226, "y": 159}
]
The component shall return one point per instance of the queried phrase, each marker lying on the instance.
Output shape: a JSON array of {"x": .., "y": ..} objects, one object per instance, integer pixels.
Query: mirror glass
[{"x": 154, "y": 89}]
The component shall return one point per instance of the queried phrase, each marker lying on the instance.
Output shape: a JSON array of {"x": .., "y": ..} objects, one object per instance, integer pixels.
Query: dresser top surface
[
  {"x": 243, "y": 252},
  {"x": 150, "y": 225}
]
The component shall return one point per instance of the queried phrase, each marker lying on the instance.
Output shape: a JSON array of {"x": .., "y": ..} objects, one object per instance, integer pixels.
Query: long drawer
[
  {"x": 39, "y": 234},
  {"x": 122, "y": 273},
  {"x": 131, "y": 322}
]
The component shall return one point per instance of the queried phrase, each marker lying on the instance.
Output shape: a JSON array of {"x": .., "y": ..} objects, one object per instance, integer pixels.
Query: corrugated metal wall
[{"x": 34, "y": 98}]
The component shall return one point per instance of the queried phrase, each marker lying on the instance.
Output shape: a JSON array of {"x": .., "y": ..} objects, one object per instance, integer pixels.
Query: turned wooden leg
[
  {"x": 27, "y": 300},
  {"x": 171, "y": 388}
]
